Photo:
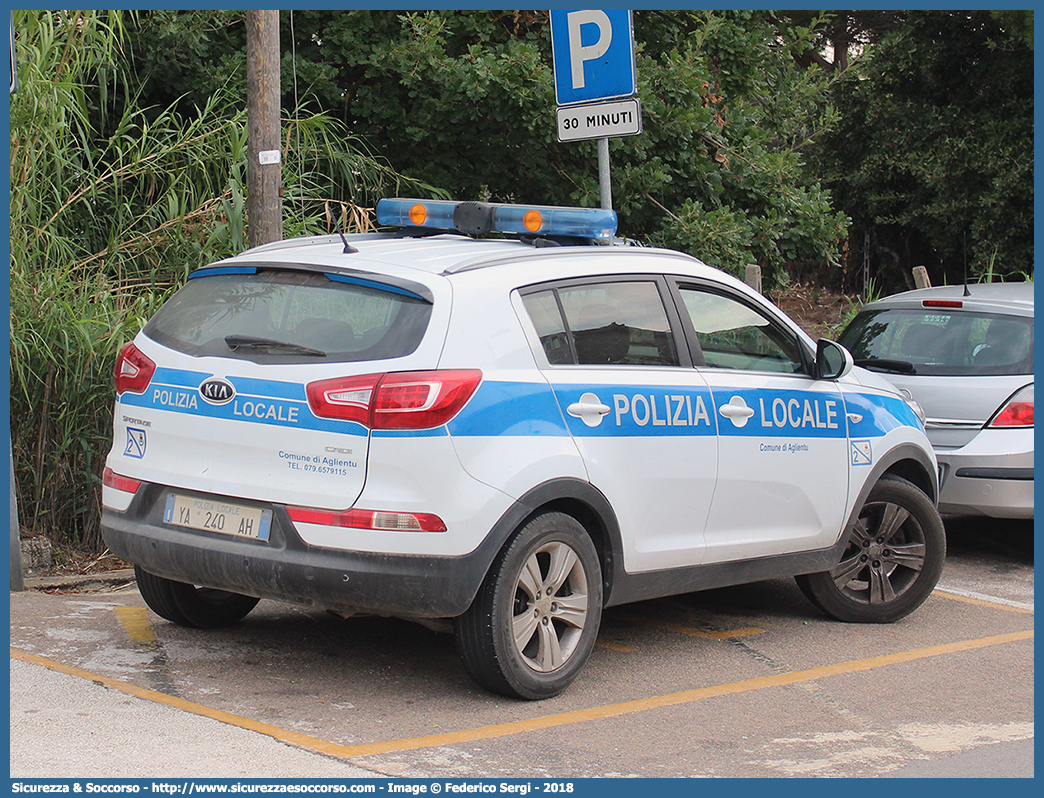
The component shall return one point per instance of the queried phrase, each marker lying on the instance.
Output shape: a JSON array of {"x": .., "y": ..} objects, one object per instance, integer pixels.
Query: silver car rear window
[
  {"x": 942, "y": 342},
  {"x": 290, "y": 316}
]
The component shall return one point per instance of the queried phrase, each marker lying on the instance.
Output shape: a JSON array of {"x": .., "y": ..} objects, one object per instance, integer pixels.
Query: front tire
[
  {"x": 188, "y": 605},
  {"x": 534, "y": 622},
  {"x": 893, "y": 560}
]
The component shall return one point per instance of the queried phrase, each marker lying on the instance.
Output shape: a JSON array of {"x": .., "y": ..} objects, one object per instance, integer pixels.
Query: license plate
[{"x": 216, "y": 516}]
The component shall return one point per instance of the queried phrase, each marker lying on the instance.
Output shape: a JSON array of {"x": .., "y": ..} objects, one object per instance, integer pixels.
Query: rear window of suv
[
  {"x": 290, "y": 316},
  {"x": 939, "y": 342}
]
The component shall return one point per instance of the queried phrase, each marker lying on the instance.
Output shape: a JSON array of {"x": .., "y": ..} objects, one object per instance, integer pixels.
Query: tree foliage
[
  {"x": 934, "y": 162},
  {"x": 465, "y": 101},
  {"x": 764, "y": 133}
]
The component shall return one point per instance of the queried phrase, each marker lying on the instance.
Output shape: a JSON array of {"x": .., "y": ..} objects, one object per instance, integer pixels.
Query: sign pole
[
  {"x": 605, "y": 186},
  {"x": 596, "y": 82}
]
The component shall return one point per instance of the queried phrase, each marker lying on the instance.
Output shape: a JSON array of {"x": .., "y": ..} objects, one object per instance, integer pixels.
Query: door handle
[
  {"x": 581, "y": 409},
  {"x": 589, "y": 409},
  {"x": 737, "y": 411}
]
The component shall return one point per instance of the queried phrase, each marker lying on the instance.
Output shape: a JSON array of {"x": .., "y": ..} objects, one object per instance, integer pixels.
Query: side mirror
[{"x": 833, "y": 361}]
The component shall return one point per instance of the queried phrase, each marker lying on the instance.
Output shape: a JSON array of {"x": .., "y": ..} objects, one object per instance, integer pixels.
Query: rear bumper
[
  {"x": 285, "y": 568},
  {"x": 992, "y": 475}
]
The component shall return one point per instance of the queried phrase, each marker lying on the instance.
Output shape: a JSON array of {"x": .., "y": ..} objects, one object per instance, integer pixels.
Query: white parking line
[{"x": 971, "y": 594}]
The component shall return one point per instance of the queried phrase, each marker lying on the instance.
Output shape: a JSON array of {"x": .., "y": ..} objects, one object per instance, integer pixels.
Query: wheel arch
[
  {"x": 582, "y": 501},
  {"x": 907, "y": 461},
  {"x": 916, "y": 472}
]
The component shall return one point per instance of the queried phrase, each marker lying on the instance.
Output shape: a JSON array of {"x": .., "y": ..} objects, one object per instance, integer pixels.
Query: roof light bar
[{"x": 476, "y": 218}]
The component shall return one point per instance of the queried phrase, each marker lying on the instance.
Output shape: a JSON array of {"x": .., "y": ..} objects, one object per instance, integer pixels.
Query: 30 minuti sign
[{"x": 599, "y": 120}]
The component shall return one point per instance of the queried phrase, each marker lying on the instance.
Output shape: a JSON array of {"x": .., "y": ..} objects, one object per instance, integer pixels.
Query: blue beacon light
[{"x": 484, "y": 217}]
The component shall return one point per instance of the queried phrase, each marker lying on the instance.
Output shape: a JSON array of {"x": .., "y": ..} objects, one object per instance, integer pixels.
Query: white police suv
[{"x": 512, "y": 431}]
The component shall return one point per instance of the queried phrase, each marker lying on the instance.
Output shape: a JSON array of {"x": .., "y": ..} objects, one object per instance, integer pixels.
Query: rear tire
[
  {"x": 188, "y": 605},
  {"x": 533, "y": 624},
  {"x": 893, "y": 560}
]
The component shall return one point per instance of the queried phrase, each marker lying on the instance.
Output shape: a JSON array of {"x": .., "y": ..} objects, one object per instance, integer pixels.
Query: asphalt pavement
[
  {"x": 64, "y": 726},
  {"x": 91, "y": 704}
]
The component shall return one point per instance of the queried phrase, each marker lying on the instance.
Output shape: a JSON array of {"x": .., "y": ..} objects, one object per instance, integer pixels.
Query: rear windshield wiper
[
  {"x": 234, "y": 342},
  {"x": 897, "y": 366}
]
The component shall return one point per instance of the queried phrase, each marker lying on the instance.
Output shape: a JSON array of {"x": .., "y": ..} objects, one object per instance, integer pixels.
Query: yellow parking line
[
  {"x": 135, "y": 621},
  {"x": 283, "y": 735},
  {"x": 546, "y": 722},
  {"x": 615, "y": 647},
  {"x": 685, "y": 630}
]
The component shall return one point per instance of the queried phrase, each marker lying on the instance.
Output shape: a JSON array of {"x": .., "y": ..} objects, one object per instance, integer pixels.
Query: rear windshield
[
  {"x": 289, "y": 316},
  {"x": 941, "y": 342}
]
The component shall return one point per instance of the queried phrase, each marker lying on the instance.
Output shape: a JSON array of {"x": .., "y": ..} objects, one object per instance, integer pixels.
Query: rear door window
[
  {"x": 287, "y": 316},
  {"x": 618, "y": 322}
]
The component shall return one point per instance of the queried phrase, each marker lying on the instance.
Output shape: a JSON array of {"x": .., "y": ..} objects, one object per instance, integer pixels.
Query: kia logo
[{"x": 217, "y": 391}]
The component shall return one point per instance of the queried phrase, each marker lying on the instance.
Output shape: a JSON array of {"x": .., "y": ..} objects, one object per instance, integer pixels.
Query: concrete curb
[{"x": 74, "y": 581}]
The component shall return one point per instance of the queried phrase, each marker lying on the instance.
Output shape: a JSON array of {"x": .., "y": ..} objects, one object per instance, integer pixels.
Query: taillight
[
  {"x": 113, "y": 480},
  {"x": 402, "y": 400},
  {"x": 942, "y": 303},
  {"x": 369, "y": 519},
  {"x": 133, "y": 370},
  {"x": 1017, "y": 412},
  {"x": 346, "y": 398}
]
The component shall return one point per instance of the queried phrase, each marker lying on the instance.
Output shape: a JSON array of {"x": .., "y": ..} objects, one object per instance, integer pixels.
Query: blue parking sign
[{"x": 593, "y": 53}]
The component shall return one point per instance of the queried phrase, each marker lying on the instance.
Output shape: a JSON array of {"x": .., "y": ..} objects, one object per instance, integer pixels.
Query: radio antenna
[
  {"x": 348, "y": 248},
  {"x": 966, "y": 291}
]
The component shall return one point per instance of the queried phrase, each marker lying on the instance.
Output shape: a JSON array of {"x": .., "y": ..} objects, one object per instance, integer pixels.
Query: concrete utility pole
[{"x": 264, "y": 170}]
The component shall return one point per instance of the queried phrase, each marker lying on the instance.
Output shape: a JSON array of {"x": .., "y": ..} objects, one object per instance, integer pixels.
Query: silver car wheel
[
  {"x": 535, "y": 619},
  {"x": 551, "y": 603}
]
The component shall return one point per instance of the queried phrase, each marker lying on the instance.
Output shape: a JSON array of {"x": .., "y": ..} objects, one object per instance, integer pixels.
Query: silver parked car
[{"x": 966, "y": 357}]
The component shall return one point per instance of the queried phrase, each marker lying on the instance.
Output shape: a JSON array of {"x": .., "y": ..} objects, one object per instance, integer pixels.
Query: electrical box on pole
[
  {"x": 264, "y": 167},
  {"x": 595, "y": 81}
]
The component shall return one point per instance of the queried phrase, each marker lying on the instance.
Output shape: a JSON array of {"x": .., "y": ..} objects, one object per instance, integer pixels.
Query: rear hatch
[
  {"x": 957, "y": 408},
  {"x": 214, "y": 395},
  {"x": 959, "y": 363}
]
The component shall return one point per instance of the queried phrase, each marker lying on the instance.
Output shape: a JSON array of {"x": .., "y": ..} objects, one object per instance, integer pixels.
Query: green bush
[{"x": 112, "y": 205}]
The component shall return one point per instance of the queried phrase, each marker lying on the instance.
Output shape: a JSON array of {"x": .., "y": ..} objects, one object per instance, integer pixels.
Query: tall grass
[{"x": 112, "y": 205}]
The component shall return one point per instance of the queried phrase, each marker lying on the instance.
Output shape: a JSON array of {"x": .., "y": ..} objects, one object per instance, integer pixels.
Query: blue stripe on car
[
  {"x": 521, "y": 409},
  {"x": 510, "y": 408},
  {"x": 880, "y": 414}
]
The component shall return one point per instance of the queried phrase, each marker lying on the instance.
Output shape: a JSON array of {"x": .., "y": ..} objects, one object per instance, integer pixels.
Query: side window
[
  {"x": 734, "y": 335},
  {"x": 621, "y": 323},
  {"x": 547, "y": 318}
]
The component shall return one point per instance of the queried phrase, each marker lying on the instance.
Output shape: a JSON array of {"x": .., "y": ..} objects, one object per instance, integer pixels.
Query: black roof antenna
[
  {"x": 966, "y": 291},
  {"x": 348, "y": 248}
]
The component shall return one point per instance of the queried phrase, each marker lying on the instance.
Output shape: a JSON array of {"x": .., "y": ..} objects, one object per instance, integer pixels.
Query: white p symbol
[{"x": 578, "y": 54}]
